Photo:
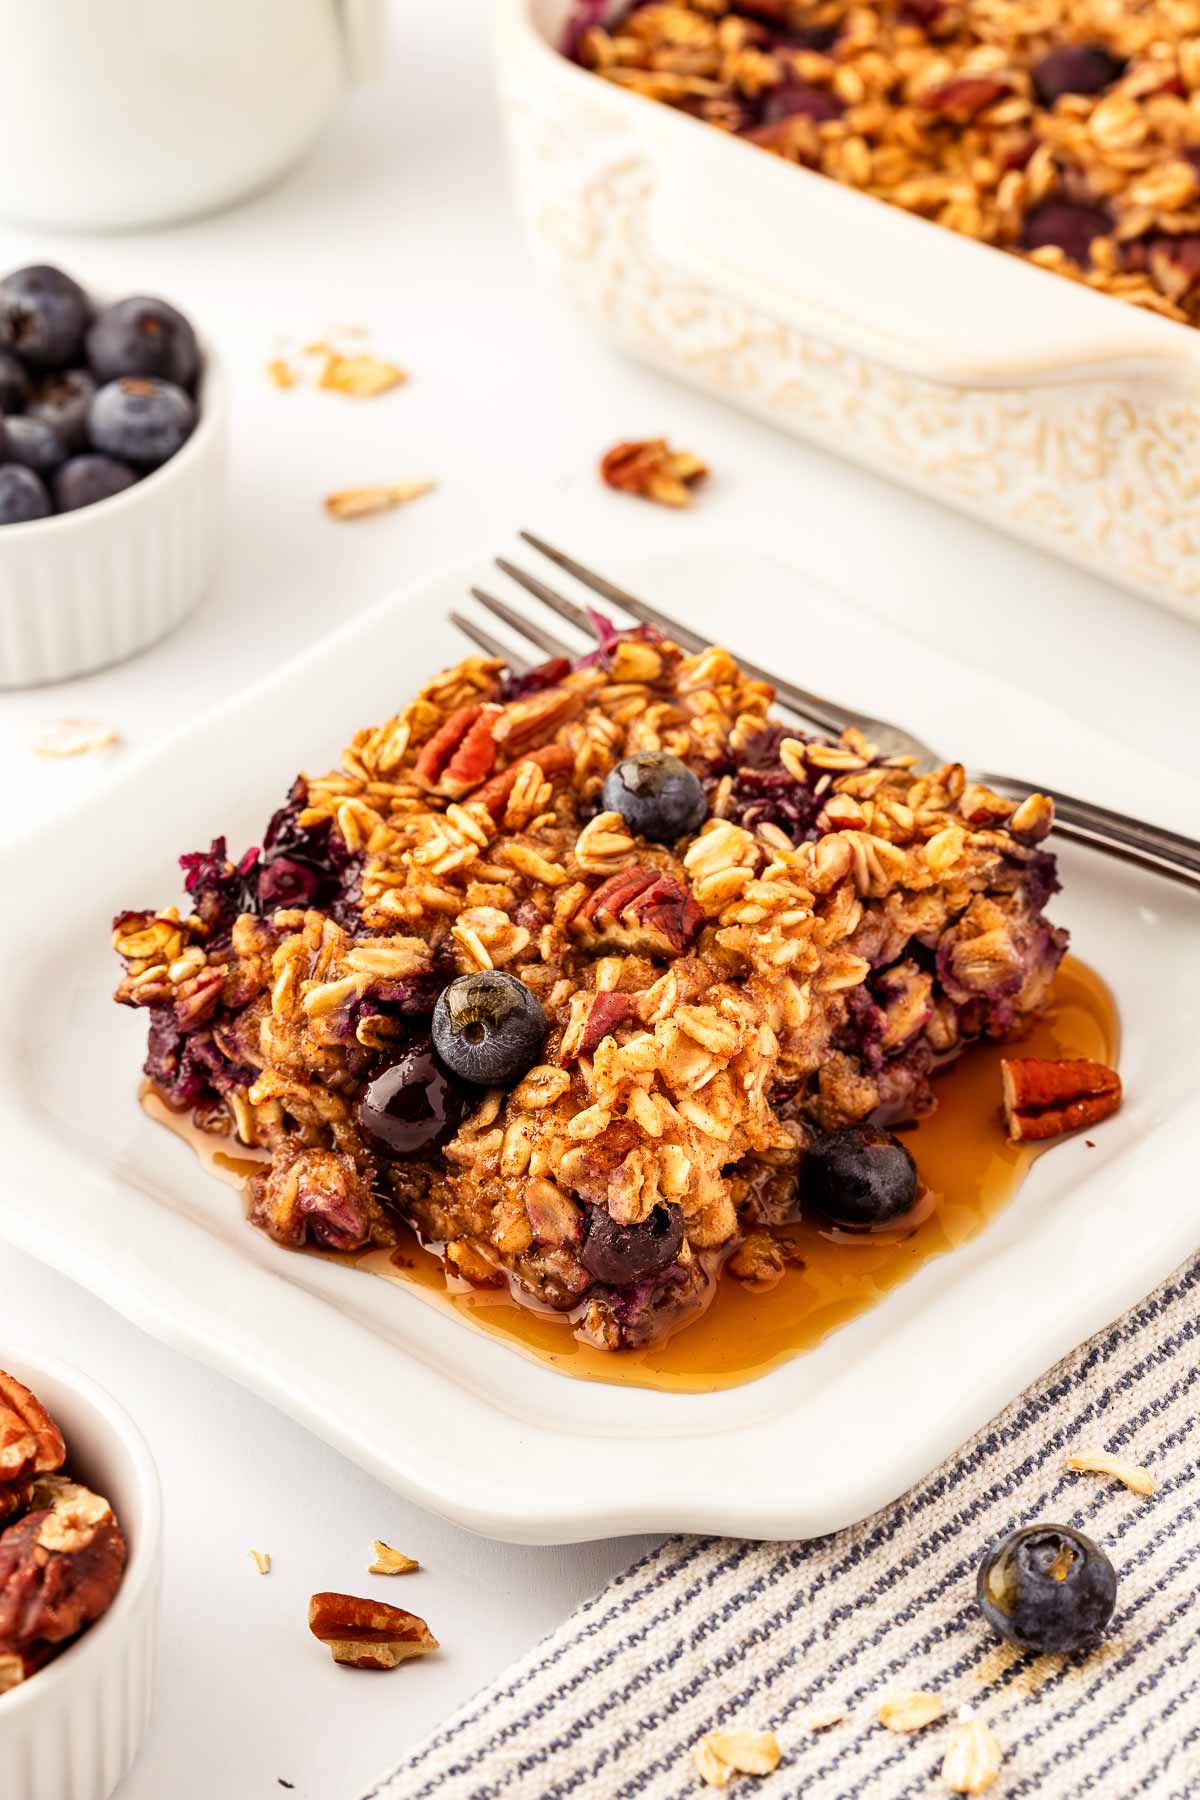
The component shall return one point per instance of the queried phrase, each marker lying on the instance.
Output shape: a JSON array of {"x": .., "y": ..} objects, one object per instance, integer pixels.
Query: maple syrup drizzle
[{"x": 962, "y": 1154}]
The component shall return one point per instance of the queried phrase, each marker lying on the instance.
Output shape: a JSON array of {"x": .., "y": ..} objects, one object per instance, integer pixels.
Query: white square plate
[{"x": 450, "y": 1418}]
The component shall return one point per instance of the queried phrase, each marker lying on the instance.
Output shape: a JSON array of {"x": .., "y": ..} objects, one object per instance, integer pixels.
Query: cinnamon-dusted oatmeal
[
  {"x": 1067, "y": 132},
  {"x": 689, "y": 1016}
]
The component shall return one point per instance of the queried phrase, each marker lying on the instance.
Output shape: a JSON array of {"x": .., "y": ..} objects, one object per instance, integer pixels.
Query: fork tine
[
  {"x": 810, "y": 706},
  {"x": 566, "y": 609},
  {"x": 608, "y": 590},
  {"x": 534, "y": 634},
  {"x": 487, "y": 643}
]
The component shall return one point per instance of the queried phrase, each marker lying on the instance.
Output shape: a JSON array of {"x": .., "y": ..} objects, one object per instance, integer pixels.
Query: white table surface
[{"x": 401, "y": 221}]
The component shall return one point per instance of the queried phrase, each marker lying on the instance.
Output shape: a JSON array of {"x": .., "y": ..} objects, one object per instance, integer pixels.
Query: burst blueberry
[
  {"x": 859, "y": 1176},
  {"x": 411, "y": 1106},
  {"x": 1047, "y": 1587},
  {"x": 1075, "y": 69},
  {"x": 488, "y": 1028},
  {"x": 619, "y": 1255},
  {"x": 658, "y": 796}
]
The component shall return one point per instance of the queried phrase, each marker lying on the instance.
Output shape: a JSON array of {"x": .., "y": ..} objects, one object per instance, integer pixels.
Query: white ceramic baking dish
[{"x": 1058, "y": 414}]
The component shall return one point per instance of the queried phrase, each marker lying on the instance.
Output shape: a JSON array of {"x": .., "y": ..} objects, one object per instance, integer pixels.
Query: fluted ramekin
[
  {"x": 72, "y": 1731},
  {"x": 84, "y": 589}
]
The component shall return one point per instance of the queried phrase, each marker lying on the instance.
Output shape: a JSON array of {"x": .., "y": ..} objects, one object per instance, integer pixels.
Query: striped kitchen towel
[{"x": 704, "y": 1634}]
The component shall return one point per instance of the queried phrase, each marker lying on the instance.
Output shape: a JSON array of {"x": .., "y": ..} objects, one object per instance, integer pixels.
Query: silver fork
[{"x": 1129, "y": 840}]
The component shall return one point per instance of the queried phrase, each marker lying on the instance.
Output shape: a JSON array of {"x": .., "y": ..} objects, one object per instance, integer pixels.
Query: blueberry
[
  {"x": 488, "y": 1028},
  {"x": 621, "y": 1254},
  {"x": 34, "y": 443},
  {"x": 794, "y": 98},
  {"x": 23, "y": 495},
  {"x": 1070, "y": 224},
  {"x": 1075, "y": 69},
  {"x": 14, "y": 384},
  {"x": 411, "y": 1106},
  {"x": 657, "y": 796},
  {"x": 1047, "y": 1587},
  {"x": 285, "y": 881},
  {"x": 859, "y": 1175},
  {"x": 141, "y": 419},
  {"x": 85, "y": 479},
  {"x": 142, "y": 336},
  {"x": 62, "y": 402},
  {"x": 43, "y": 316}
]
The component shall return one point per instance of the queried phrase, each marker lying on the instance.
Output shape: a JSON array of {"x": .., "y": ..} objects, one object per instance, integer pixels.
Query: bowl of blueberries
[{"x": 112, "y": 474}]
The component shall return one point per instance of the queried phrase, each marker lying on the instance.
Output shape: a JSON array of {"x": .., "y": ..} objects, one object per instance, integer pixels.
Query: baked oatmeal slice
[{"x": 835, "y": 929}]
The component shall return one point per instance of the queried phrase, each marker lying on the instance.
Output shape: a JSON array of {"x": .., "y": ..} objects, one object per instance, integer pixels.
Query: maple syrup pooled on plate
[{"x": 965, "y": 1161}]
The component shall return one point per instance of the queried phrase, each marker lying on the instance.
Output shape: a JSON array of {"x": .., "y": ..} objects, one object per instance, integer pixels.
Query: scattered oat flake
[
  {"x": 650, "y": 469},
  {"x": 281, "y": 372},
  {"x": 720, "y": 1755},
  {"x": 911, "y": 1712},
  {"x": 74, "y": 737},
  {"x": 262, "y": 1561},
  {"x": 1100, "y": 1462},
  {"x": 360, "y": 503},
  {"x": 361, "y": 374},
  {"x": 826, "y": 1716},
  {"x": 972, "y": 1759},
  {"x": 391, "y": 1562}
]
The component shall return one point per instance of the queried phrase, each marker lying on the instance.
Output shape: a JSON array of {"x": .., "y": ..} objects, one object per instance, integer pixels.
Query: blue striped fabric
[{"x": 704, "y": 1634}]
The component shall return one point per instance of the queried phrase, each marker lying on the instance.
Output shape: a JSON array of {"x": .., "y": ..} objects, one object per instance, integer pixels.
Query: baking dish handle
[{"x": 868, "y": 278}]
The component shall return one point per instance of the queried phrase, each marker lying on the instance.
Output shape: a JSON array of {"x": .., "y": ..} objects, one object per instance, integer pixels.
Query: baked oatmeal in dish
[
  {"x": 1066, "y": 131},
  {"x": 592, "y": 977}
]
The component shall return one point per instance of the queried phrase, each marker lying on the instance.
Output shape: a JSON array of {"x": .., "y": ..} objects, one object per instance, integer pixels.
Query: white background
[{"x": 401, "y": 221}]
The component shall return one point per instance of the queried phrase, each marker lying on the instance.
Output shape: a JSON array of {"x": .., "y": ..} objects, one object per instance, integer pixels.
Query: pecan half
[
  {"x": 552, "y": 760},
  {"x": 959, "y": 100},
  {"x": 639, "y": 909},
  {"x": 1044, "y": 1097},
  {"x": 461, "y": 753},
  {"x": 367, "y": 1634},
  {"x": 650, "y": 469},
  {"x": 60, "y": 1566},
  {"x": 30, "y": 1441}
]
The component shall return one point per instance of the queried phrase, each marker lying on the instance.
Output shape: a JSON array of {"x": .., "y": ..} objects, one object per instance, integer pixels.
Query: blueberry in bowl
[
  {"x": 1047, "y": 1588},
  {"x": 112, "y": 419}
]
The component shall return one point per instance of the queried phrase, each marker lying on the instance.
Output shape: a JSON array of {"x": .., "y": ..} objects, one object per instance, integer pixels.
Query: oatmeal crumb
[
  {"x": 391, "y": 1562},
  {"x": 281, "y": 372},
  {"x": 720, "y": 1755},
  {"x": 972, "y": 1759},
  {"x": 360, "y": 503},
  {"x": 362, "y": 375},
  {"x": 1101, "y": 1462},
  {"x": 911, "y": 1712},
  {"x": 824, "y": 1717},
  {"x": 74, "y": 737},
  {"x": 262, "y": 1561}
]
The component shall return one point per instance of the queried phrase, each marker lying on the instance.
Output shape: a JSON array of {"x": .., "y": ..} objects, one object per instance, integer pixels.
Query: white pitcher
[{"x": 120, "y": 113}]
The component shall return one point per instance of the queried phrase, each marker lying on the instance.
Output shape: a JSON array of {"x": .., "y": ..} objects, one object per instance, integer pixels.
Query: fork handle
[{"x": 1167, "y": 851}]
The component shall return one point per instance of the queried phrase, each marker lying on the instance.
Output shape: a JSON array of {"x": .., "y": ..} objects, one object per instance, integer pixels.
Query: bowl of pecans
[{"x": 80, "y": 1566}]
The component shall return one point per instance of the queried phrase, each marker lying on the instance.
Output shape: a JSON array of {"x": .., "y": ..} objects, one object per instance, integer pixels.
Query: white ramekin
[
  {"x": 83, "y": 589},
  {"x": 73, "y": 1730}
]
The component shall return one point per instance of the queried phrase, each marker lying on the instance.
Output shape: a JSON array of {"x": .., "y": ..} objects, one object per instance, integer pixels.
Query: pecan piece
[
  {"x": 961, "y": 99},
  {"x": 317, "y": 1196},
  {"x": 653, "y": 471},
  {"x": 552, "y": 760},
  {"x": 60, "y": 1566},
  {"x": 606, "y": 1012},
  {"x": 1045, "y": 1097},
  {"x": 30, "y": 1441},
  {"x": 523, "y": 722},
  {"x": 461, "y": 753},
  {"x": 639, "y": 909},
  {"x": 367, "y": 1634}
]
